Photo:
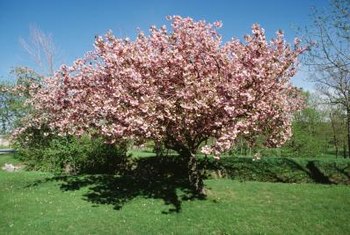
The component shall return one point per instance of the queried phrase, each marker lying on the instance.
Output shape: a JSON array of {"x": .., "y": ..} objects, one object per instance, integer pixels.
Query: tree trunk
[
  {"x": 334, "y": 136},
  {"x": 194, "y": 175},
  {"x": 336, "y": 150},
  {"x": 344, "y": 149},
  {"x": 348, "y": 128}
]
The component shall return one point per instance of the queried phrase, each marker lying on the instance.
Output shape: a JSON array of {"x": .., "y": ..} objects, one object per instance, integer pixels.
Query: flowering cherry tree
[{"x": 178, "y": 87}]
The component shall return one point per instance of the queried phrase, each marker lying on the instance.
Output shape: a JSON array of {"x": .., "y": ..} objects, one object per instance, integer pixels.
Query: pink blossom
[{"x": 180, "y": 87}]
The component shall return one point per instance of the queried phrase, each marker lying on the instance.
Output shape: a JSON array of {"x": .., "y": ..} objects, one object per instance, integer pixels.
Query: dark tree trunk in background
[
  {"x": 334, "y": 136},
  {"x": 348, "y": 130},
  {"x": 344, "y": 149}
]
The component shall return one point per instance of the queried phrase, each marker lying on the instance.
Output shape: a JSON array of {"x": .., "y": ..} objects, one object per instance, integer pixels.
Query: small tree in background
[
  {"x": 7, "y": 111},
  {"x": 329, "y": 59},
  {"x": 41, "y": 48},
  {"x": 338, "y": 123},
  {"x": 311, "y": 134},
  {"x": 178, "y": 87},
  {"x": 13, "y": 96}
]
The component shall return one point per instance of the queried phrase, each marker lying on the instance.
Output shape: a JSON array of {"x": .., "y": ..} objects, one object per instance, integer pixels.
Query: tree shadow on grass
[
  {"x": 153, "y": 177},
  {"x": 316, "y": 174},
  {"x": 282, "y": 170}
]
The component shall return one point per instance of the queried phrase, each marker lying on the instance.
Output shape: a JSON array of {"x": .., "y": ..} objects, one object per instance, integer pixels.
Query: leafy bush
[{"x": 43, "y": 150}]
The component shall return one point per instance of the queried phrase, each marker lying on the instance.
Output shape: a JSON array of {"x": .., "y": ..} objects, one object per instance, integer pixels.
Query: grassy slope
[{"x": 231, "y": 207}]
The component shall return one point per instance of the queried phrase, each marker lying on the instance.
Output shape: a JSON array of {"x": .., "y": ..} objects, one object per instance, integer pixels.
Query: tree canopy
[{"x": 178, "y": 87}]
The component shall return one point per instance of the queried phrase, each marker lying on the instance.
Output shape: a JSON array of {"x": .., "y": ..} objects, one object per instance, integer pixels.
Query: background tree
[
  {"x": 7, "y": 111},
  {"x": 179, "y": 88},
  {"x": 41, "y": 48},
  {"x": 311, "y": 131},
  {"x": 329, "y": 59},
  {"x": 337, "y": 119},
  {"x": 13, "y": 96}
]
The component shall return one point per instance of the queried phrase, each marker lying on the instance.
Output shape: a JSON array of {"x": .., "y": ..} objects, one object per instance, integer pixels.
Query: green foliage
[
  {"x": 9, "y": 107},
  {"x": 310, "y": 135},
  {"x": 13, "y": 97},
  {"x": 337, "y": 118},
  {"x": 42, "y": 150},
  {"x": 316, "y": 131}
]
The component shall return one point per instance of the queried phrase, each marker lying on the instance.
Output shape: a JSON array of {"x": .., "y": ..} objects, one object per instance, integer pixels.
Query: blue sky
[{"x": 74, "y": 24}]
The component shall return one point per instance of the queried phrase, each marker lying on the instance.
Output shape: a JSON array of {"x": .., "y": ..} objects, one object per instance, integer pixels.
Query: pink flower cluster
[{"x": 179, "y": 87}]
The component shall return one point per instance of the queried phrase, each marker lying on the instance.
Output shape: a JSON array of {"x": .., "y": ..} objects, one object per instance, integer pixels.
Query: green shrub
[{"x": 69, "y": 154}]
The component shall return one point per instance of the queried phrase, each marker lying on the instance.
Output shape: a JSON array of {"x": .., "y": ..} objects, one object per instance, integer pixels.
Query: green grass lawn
[{"x": 38, "y": 203}]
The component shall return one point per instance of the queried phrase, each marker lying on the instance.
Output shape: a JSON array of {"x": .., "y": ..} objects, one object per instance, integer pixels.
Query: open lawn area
[{"x": 39, "y": 203}]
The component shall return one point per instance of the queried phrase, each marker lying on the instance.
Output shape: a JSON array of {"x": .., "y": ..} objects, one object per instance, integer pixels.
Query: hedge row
[
  {"x": 84, "y": 155},
  {"x": 287, "y": 170}
]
